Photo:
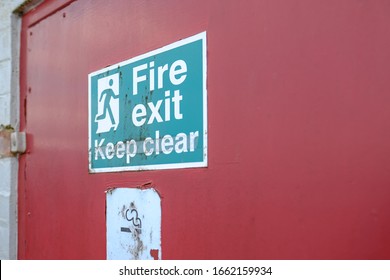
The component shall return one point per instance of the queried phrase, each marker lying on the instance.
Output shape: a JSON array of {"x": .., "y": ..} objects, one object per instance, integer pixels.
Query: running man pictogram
[
  {"x": 108, "y": 93},
  {"x": 107, "y": 101}
]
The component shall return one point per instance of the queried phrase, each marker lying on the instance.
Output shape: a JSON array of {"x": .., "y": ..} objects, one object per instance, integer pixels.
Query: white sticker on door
[{"x": 133, "y": 221}]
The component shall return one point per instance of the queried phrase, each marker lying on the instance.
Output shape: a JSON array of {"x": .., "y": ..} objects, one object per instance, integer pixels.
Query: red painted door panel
[{"x": 298, "y": 129}]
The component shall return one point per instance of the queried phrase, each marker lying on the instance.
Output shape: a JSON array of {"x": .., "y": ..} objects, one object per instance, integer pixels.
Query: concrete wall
[{"x": 9, "y": 115}]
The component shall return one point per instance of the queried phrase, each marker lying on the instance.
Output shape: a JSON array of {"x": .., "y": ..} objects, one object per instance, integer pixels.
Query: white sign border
[{"x": 200, "y": 36}]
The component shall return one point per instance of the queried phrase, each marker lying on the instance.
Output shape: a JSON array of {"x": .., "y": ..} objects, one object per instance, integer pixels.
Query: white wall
[{"x": 9, "y": 115}]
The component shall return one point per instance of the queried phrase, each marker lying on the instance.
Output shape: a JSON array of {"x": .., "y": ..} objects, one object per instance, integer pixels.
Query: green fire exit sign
[{"x": 150, "y": 112}]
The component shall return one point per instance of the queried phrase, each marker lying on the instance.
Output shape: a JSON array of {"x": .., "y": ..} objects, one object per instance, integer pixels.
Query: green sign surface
[{"x": 150, "y": 112}]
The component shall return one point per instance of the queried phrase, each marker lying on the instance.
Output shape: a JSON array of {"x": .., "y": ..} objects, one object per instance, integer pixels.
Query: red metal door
[{"x": 298, "y": 129}]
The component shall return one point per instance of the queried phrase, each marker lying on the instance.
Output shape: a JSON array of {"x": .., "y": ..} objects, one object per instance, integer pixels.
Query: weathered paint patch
[
  {"x": 5, "y": 141},
  {"x": 133, "y": 222}
]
